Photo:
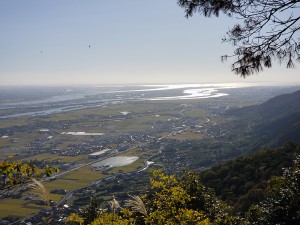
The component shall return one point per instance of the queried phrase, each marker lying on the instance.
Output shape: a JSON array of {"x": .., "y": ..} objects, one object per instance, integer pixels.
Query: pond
[{"x": 116, "y": 161}]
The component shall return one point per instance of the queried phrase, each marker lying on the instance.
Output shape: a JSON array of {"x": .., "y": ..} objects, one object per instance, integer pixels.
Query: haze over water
[{"x": 28, "y": 101}]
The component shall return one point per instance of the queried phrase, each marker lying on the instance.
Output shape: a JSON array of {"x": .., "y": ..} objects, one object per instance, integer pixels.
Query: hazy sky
[{"x": 115, "y": 42}]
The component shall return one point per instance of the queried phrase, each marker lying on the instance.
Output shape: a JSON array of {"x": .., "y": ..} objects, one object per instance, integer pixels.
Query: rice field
[{"x": 18, "y": 207}]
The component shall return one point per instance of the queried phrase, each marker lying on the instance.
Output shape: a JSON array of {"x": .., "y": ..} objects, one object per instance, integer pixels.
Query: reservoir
[{"x": 116, "y": 161}]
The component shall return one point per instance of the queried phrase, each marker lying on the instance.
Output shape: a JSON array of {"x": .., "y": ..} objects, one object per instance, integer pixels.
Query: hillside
[
  {"x": 277, "y": 107},
  {"x": 273, "y": 122},
  {"x": 242, "y": 181}
]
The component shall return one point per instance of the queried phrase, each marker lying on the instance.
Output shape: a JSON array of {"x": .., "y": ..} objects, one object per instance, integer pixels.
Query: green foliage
[
  {"x": 170, "y": 200},
  {"x": 74, "y": 219},
  {"x": 282, "y": 204},
  {"x": 91, "y": 212},
  {"x": 242, "y": 182},
  {"x": 14, "y": 175},
  {"x": 205, "y": 199},
  {"x": 185, "y": 200},
  {"x": 110, "y": 218}
]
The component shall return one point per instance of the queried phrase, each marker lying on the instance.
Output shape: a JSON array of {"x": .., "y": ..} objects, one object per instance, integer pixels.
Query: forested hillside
[
  {"x": 243, "y": 181},
  {"x": 277, "y": 107},
  {"x": 273, "y": 122}
]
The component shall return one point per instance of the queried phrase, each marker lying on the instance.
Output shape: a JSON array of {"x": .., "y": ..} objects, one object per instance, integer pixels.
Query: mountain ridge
[{"x": 274, "y": 121}]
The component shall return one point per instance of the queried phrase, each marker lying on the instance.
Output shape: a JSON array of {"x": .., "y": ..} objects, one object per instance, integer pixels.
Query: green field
[
  {"x": 18, "y": 207},
  {"x": 54, "y": 157},
  {"x": 108, "y": 120}
]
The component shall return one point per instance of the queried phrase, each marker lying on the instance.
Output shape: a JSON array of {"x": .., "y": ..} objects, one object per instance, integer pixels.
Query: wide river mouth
[{"x": 70, "y": 101}]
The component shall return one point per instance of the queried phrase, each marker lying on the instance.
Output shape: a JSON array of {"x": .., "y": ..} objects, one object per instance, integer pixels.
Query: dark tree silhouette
[{"x": 269, "y": 31}]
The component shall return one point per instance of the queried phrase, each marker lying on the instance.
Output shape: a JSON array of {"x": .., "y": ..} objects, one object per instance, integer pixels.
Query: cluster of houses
[{"x": 101, "y": 145}]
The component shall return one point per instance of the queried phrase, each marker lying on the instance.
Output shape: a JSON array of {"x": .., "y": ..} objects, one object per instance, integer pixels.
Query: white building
[{"x": 96, "y": 155}]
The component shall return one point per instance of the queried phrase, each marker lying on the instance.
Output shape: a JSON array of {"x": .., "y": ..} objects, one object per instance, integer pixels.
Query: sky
[{"x": 80, "y": 42}]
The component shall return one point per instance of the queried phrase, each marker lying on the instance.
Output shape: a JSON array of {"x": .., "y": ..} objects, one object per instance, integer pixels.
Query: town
[{"x": 83, "y": 143}]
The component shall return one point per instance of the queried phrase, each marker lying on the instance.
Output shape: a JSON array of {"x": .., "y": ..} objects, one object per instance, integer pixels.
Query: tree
[
  {"x": 91, "y": 212},
  {"x": 14, "y": 175},
  {"x": 74, "y": 219},
  {"x": 282, "y": 204},
  {"x": 170, "y": 200},
  {"x": 18, "y": 176},
  {"x": 270, "y": 31}
]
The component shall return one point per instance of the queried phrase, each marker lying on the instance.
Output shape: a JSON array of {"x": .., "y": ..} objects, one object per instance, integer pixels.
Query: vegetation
[
  {"x": 282, "y": 204},
  {"x": 268, "y": 31},
  {"x": 177, "y": 139},
  {"x": 243, "y": 181},
  {"x": 185, "y": 200},
  {"x": 170, "y": 200},
  {"x": 16, "y": 175},
  {"x": 16, "y": 208},
  {"x": 17, "y": 178}
]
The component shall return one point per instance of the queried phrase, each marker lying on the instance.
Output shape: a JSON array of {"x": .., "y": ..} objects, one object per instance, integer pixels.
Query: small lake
[
  {"x": 116, "y": 161},
  {"x": 80, "y": 133}
]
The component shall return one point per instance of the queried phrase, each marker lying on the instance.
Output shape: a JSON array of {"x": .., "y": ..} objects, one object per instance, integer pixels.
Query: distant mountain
[
  {"x": 276, "y": 107},
  {"x": 280, "y": 106},
  {"x": 275, "y": 121}
]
